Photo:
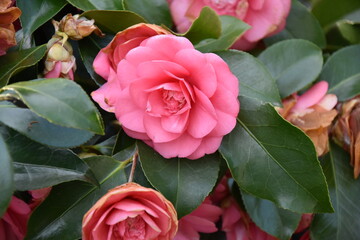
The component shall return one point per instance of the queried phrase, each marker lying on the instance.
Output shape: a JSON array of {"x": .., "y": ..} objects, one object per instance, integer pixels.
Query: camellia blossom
[
  {"x": 202, "y": 219},
  {"x": 130, "y": 212},
  {"x": 178, "y": 100},
  {"x": 313, "y": 113},
  {"x": 266, "y": 17},
  {"x": 8, "y": 15}
]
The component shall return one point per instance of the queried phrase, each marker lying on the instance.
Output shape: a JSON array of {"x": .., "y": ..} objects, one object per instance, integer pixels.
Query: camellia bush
[{"x": 180, "y": 119}]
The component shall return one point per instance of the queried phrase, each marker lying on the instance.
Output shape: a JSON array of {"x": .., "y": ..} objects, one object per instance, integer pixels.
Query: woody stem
[{"x": 132, "y": 171}]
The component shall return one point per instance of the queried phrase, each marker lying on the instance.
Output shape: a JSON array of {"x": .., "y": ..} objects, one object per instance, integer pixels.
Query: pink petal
[
  {"x": 178, "y": 10},
  {"x": 121, "y": 51},
  {"x": 311, "y": 96},
  {"x": 106, "y": 96},
  {"x": 126, "y": 73},
  {"x": 55, "y": 73},
  {"x": 201, "y": 224},
  {"x": 257, "y": 4},
  {"x": 131, "y": 205},
  {"x": 156, "y": 132},
  {"x": 116, "y": 216},
  {"x": 328, "y": 102},
  {"x": 150, "y": 222},
  {"x": 225, "y": 124},
  {"x": 101, "y": 65},
  {"x": 175, "y": 123},
  {"x": 145, "y": 54},
  {"x": 208, "y": 145}
]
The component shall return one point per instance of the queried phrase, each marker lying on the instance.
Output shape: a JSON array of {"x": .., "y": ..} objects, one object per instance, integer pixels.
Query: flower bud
[
  {"x": 76, "y": 27},
  {"x": 7, "y": 32},
  {"x": 346, "y": 131}
]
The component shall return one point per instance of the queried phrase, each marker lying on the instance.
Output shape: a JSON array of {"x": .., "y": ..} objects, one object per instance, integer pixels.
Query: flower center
[
  {"x": 134, "y": 229},
  {"x": 237, "y": 8},
  {"x": 173, "y": 100},
  {"x": 220, "y": 4}
]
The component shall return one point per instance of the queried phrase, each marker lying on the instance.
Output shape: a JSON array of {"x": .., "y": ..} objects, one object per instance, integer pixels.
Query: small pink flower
[
  {"x": 304, "y": 222},
  {"x": 164, "y": 92},
  {"x": 266, "y": 17},
  {"x": 130, "y": 212},
  {"x": 202, "y": 219},
  {"x": 13, "y": 225}
]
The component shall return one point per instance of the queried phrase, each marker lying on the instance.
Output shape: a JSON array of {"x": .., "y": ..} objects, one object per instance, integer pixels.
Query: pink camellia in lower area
[
  {"x": 13, "y": 225},
  {"x": 178, "y": 100},
  {"x": 266, "y": 17},
  {"x": 130, "y": 212},
  {"x": 202, "y": 220}
]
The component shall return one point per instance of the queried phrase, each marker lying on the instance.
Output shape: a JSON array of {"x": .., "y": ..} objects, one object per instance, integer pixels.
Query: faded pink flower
[
  {"x": 13, "y": 225},
  {"x": 38, "y": 196},
  {"x": 304, "y": 222},
  {"x": 266, "y": 17},
  {"x": 164, "y": 92},
  {"x": 130, "y": 212},
  {"x": 202, "y": 220}
]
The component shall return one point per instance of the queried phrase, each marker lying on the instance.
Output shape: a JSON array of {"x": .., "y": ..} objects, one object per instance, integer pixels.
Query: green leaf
[
  {"x": 37, "y": 166},
  {"x": 300, "y": 24},
  {"x": 271, "y": 159},
  {"x": 328, "y": 11},
  {"x": 231, "y": 30},
  {"x": 60, "y": 101},
  {"x": 60, "y": 215},
  {"x": 293, "y": 63},
  {"x": 87, "y": 5},
  {"x": 276, "y": 221},
  {"x": 6, "y": 176},
  {"x": 13, "y": 62},
  {"x": 184, "y": 182},
  {"x": 113, "y": 21},
  {"x": 255, "y": 80},
  {"x": 342, "y": 72},
  {"x": 37, "y": 12},
  {"x": 201, "y": 29},
  {"x": 345, "y": 196},
  {"x": 349, "y": 30},
  {"x": 41, "y": 130},
  {"x": 154, "y": 11}
]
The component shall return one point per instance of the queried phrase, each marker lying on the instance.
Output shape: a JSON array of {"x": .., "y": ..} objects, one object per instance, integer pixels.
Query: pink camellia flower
[
  {"x": 13, "y": 225},
  {"x": 313, "y": 113},
  {"x": 164, "y": 92},
  {"x": 266, "y": 17},
  {"x": 130, "y": 212},
  {"x": 202, "y": 219}
]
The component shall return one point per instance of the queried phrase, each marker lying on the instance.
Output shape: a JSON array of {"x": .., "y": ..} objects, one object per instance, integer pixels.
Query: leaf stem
[{"x": 134, "y": 160}]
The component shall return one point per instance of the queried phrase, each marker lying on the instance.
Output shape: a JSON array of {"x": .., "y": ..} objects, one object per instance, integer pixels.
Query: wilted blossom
[
  {"x": 60, "y": 61},
  {"x": 346, "y": 131},
  {"x": 8, "y": 15},
  {"x": 76, "y": 27},
  {"x": 266, "y": 17},
  {"x": 313, "y": 113},
  {"x": 163, "y": 91},
  {"x": 130, "y": 212},
  {"x": 202, "y": 220}
]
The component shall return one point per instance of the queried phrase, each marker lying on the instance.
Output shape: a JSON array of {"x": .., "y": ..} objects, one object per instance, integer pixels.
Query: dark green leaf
[
  {"x": 123, "y": 141},
  {"x": 184, "y": 182},
  {"x": 271, "y": 159},
  {"x": 349, "y": 30},
  {"x": 345, "y": 197},
  {"x": 13, "y": 62},
  {"x": 60, "y": 101},
  {"x": 87, "y": 5},
  {"x": 276, "y": 221},
  {"x": 201, "y": 29},
  {"x": 300, "y": 24},
  {"x": 60, "y": 215},
  {"x": 40, "y": 130},
  {"x": 293, "y": 63},
  {"x": 37, "y": 12},
  {"x": 37, "y": 166},
  {"x": 113, "y": 21},
  {"x": 255, "y": 80},
  {"x": 231, "y": 30},
  {"x": 342, "y": 72},
  {"x": 154, "y": 11},
  {"x": 6, "y": 176}
]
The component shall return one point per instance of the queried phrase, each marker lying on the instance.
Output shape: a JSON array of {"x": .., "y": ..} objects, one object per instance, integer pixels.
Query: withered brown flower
[{"x": 8, "y": 15}]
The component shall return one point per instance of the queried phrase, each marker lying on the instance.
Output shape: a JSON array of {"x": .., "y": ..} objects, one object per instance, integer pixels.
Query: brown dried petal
[
  {"x": 9, "y": 15},
  {"x": 314, "y": 120},
  {"x": 7, "y": 39},
  {"x": 355, "y": 155},
  {"x": 4, "y": 4},
  {"x": 320, "y": 139}
]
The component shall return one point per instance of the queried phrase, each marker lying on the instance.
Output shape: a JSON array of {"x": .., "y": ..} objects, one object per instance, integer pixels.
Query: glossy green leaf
[
  {"x": 40, "y": 130},
  {"x": 154, "y": 11},
  {"x": 276, "y": 221},
  {"x": 342, "y": 72},
  {"x": 293, "y": 63},
  {"x": 87, "y": 5},
  {"x": 37, "y": 12},
  {"x": 271, "y": 159},
  {"x": 300, "y": 24},
  {"x": 37, "y": 166},
  {"x": 13, "y": 62},
  {"x": 60, "y": 215},
  {"x": 113, "y": 21},
  {"x": 329, "y": 11},
  {"x": 255, "y": 80},
  {"x": 345, "y": 197},
  {"x": 349, "y": 30},
  {"x": 231, "y": 29},
  {"x": 60, "y": 101},
  {"x": 6, "y": 176},
  {"x": 201, "y": 29},
  {"x": 184, "y": 182}
]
